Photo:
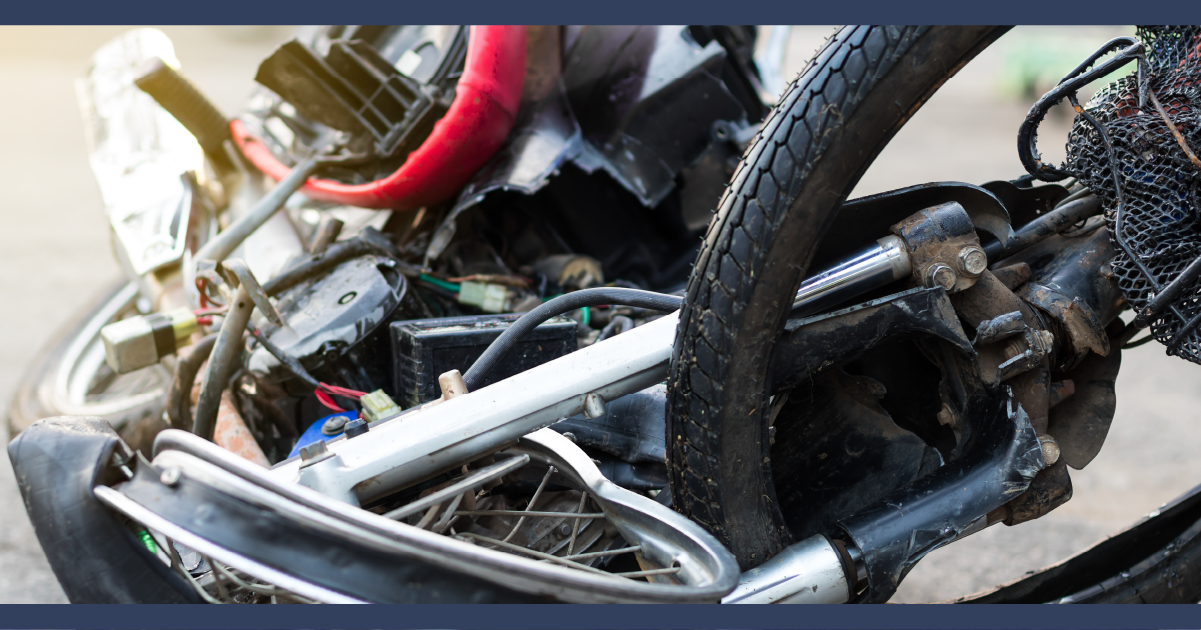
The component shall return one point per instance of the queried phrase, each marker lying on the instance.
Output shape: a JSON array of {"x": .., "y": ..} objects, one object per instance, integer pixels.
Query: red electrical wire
[
  {"x": 342, "y": 391},
  {"x": 204, "y": 299},
  {"x": 324, "y": 399},
  {"x": 200, "y": 288}
]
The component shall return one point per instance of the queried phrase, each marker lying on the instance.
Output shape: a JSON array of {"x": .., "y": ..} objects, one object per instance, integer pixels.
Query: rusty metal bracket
[{"x": 1081, "y": 422}]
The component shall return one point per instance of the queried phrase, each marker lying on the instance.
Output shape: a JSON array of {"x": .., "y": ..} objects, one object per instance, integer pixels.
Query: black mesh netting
[{"x": 1159, "y": 182}]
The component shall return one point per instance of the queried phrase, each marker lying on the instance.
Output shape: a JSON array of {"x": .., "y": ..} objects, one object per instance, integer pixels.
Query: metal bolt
[
  {"x": 312, "y": 451},
  {"x": 972, "y": 260},
  {"x": 940, "y": 276},
  {"x": 170, "y": 477},
  {"x": 1050, "y": 449},
  {"x": 1014, "y": 347},
  {"x": 1045, "y": 340}
]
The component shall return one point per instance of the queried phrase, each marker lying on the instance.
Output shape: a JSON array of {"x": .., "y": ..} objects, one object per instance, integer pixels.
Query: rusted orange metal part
[{"x": 232, "y": 434}]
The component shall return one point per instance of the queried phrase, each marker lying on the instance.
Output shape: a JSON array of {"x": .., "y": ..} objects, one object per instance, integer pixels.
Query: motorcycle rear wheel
[{"x": 811, "y": 151}]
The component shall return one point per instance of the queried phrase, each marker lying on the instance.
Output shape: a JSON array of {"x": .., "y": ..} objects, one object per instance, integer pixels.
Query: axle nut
[
  {"x": 940, "y": 276},
  {"x": 972, "y": 261}
]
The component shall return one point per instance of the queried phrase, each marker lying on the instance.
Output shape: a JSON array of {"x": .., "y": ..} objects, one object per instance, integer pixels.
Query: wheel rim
[{"x": 84, "y": 385}]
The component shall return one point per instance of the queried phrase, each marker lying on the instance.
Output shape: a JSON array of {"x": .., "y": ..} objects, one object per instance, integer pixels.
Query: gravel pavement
[{"x": 55, "y": 252}]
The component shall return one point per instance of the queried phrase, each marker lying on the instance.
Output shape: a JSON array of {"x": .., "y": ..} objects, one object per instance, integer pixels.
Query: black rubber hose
[
  {"x": 1046, "y": 226},
  {"x": 179, "y": 393},
  {"x": 332, "y": 256},
  {"x": 620, "y": 324},
  {"x": 289, "y": 362},
  {"x": 369, "y": 241},
  {"x": 474, "y": 377}
]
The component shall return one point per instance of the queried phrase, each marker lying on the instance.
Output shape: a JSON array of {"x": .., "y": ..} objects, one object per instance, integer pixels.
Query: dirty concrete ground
[{"x": 56, "y": 255}]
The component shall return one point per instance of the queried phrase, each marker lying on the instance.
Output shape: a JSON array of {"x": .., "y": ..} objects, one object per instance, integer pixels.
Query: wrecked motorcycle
[{"x": 446, "y": 401}]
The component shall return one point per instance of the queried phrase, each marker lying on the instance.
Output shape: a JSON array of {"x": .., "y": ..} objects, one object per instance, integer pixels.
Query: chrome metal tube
[
  {"x": 809, "y": 572},
  {"x": 874, "y": 267},
  {"x": 434, "y": 438}
]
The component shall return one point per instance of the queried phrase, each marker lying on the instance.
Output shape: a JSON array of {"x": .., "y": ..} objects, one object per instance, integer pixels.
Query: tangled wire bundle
[{"x": 1159, "y": 178}]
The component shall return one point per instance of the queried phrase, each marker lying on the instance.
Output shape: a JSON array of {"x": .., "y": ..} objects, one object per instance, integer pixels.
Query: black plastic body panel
[{"x": 95, "y": 556}]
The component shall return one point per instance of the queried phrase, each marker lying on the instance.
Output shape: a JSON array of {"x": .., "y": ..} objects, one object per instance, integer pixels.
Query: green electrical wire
[
  {"x": 147, "y": 541},
  {"x": 442, "y": 284}
]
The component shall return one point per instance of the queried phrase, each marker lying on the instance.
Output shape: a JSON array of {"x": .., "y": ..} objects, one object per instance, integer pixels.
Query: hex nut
[
  {"x": 1050, "y": 449},
  {"x": 972, "y": 261},
  {"x": 940, "y": 276}
]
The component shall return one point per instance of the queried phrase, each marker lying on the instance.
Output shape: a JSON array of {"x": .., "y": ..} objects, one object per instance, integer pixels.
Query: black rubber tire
[{"x": 811, "y": 151}]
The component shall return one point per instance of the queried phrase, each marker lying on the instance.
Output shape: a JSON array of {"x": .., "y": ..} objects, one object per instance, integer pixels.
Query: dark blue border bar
[
  {"x": 526, "y": 617},
  {"x": 601, "y": 12}
]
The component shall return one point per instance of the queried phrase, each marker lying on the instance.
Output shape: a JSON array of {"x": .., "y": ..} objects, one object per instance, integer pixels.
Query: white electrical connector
[
  {"x": 134, "y": 343},
  {"x": 377, "y": 405},
  {"x": 490, "y": 298}
]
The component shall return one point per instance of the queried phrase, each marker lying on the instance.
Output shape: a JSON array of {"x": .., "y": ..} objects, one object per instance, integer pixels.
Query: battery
[{"x": 425, "y": 348}]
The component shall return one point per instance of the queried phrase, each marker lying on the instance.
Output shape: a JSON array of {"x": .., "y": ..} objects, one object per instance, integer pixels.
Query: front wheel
[
  {"x": 811, "y": 151},
  {"x": 70, "y": 376}
]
